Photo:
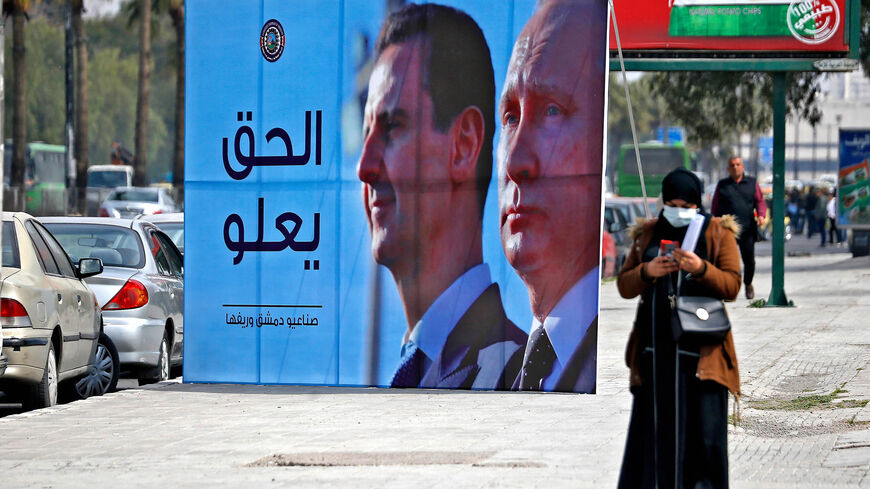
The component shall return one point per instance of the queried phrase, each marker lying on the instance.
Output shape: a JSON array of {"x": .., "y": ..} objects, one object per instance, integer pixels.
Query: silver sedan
[
  {"x": 50, "y": 321},
  {"x": 141, "y": 290}
]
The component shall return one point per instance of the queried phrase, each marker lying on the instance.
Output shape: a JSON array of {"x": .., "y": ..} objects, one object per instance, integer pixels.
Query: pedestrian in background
[
  {"x": 820, "y": 213},
  {"x": 677, "y": 435},
  {"x": 740, "y": 196},
  {"x": 810, "y": 202},
  {"x": 793, "y": 208},
  {"x": 831, "y": 212}
]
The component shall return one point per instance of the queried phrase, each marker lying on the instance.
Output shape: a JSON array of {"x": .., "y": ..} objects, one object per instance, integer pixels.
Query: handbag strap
[{"x": 673, "y": 294}]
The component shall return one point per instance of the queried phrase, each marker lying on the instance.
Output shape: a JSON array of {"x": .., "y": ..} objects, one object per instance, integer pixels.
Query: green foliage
[
  {"x": 805, "y": 403},
  {"x": 864, "y": 48},
  {"x": 45, "y": 83},
  {"x": 112, "y": 83},
  {"x": 648, "y": 109}
]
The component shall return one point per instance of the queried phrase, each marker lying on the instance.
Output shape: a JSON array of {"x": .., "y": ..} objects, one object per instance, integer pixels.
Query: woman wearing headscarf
[{"x": 678, "y": 428}]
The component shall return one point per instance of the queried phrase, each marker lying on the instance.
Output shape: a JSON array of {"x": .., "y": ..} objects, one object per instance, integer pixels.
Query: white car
[
  {"x": 129, "y": 202},
  {"x": 50, "y": 320},
  {"x": 172, "y": 224}
]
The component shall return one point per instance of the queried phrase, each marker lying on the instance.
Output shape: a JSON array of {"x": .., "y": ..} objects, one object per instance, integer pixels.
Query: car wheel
[
  {"x": 44, "y": 394},
  {"x": 103, "y": 374},
  {"x": 161, "y": 373}
]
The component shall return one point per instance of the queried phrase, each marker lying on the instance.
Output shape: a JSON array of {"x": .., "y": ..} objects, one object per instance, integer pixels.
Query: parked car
[
  {"x": 102, "y": 180},
  {"x": 172, "y": 224},
  {"x": 617, "y": 224},
  {"x": 609, "y": 256},
  {"x": 631, "y": 207},
  {"x": 51, "y": 323},
  {"x": 141, "y": 290},
  {"x": 128, "y": 202}
]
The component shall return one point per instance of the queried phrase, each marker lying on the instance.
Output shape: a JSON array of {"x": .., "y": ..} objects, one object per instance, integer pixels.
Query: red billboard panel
[{"x": 732, "y": 25}]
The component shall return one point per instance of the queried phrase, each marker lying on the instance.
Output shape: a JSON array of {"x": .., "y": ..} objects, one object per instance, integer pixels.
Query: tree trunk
[
  {"x": 140, "y": 158},
  {"x": 19, "y": 99},
  {"x": 81, "y": 106},
  {"x": 177, "y": 13}
]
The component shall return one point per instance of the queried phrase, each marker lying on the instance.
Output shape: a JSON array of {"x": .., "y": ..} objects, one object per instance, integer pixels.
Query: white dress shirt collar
[
  {"x": 567, "y": 323},
  {"x": 431, "y": 332}
]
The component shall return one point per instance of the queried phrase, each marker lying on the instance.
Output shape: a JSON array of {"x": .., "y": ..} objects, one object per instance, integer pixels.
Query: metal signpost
[{"x": 740, "y": 35}]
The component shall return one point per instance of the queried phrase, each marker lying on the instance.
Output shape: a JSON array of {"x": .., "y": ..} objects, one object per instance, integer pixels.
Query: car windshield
[
  {"x": 10, "y": 246},
  {"x": 175, "y": 231},
  {"x": 114, "y": 245},
  {"x": 134, "y": 195},
  {"x": 107, "y": 179}
]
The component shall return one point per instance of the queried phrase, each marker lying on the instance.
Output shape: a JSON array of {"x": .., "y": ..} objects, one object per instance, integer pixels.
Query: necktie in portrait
[
  {"x": 410, "y": 370},
  {"x": 538, "y": 362}
]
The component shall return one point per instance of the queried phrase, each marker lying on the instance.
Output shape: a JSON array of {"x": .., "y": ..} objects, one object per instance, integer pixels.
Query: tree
[
  {"x": 718, "y": 106},
  {"x": 144, "y": 92},
  {"x": 648, "y": 109},
  {"x": 81, "y": 105},
  {"x": 864, "y": 49},
  {"x": 176, "y": 11},
  {"x": 18, "y": 10}
]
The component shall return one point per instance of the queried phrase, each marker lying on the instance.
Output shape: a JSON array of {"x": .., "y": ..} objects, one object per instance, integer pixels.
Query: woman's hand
[
  {"x": 660, "y": 266},
  {"x": 688, "y": 261}
]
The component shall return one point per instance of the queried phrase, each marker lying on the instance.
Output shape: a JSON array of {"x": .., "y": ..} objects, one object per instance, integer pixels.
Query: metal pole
[
  {"x": 777, "y": 294},
  {"x": 2, "y": 104},
  {"x": 797, "y": 123},
  {"x": 828, "y": 157},
  {"x": 70, "y": 112}
]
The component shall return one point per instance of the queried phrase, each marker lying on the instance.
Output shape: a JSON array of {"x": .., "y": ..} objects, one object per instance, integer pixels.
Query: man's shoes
[{"x": 750, "y": 292}]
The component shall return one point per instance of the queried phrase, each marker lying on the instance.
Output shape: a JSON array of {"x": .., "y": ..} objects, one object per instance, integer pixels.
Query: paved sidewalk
[{"x": 805, "y": 420}]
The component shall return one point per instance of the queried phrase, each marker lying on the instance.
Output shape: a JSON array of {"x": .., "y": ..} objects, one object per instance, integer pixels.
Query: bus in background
[
  {"x": 45, "y": 178},
  {"x": 658, "y": 159}
]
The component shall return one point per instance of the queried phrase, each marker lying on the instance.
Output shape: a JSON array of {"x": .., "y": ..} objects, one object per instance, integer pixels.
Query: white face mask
[{"x": 679, "y": 216}]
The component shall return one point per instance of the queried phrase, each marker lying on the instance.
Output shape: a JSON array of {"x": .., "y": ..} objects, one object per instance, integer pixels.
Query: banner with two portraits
[{"x": 395, "y": 195}]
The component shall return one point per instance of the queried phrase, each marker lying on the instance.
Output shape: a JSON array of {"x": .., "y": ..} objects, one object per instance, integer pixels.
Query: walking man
[{"x": 740, "y": 195}]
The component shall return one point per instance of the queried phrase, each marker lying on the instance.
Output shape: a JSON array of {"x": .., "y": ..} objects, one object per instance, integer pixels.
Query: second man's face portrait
[
  {"x": 549, "y": 152},
  {"x": 735, "y": 168},
  {"x": 401, "y": 163}
]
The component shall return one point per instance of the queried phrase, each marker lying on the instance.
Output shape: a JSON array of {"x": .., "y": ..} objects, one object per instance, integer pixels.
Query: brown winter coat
[{"x": 718, "y": 362}]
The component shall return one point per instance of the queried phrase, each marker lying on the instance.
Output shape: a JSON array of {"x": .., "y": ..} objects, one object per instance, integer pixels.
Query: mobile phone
[{"x": 667, "y": 247}]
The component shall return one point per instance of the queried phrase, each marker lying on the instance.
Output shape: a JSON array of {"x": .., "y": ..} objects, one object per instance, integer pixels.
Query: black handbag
[{"x": 701, "y": 320}]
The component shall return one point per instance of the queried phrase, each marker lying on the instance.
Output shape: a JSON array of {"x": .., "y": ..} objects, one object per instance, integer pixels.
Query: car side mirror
[{"x": 88, "y": 267}]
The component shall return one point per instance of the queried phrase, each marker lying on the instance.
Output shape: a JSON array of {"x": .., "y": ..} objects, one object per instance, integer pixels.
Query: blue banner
[
  {"x": 306, "y": 137},
  {"x": 853, "y": 195}
]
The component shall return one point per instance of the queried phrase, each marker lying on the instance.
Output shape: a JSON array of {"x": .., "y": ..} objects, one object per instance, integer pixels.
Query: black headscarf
[
  {"x": 679, "y": 184},
  {"x": 683, "y": 184}
]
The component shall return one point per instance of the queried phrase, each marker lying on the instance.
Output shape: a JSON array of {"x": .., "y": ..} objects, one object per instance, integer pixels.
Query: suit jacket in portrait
[
  {"x": 579, "y": 374},
  {"x": 484, "y": 350}
]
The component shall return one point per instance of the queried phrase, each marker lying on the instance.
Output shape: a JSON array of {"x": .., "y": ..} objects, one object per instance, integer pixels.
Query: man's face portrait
[
  {"x": 401, "y": 164},
  {"x": 549, "y": 152},
  {"x": 735, "y": 168}
]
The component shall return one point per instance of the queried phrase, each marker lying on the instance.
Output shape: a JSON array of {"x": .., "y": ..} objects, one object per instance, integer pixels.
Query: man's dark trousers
[{"x": 746, "y": 242}]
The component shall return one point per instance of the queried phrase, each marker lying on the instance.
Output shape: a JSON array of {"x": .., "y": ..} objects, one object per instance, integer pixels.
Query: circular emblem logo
[
  {"x": 272, "y": 40},
  {"x": 813, "y": 21},
  {"x": 702, "y": 314}
]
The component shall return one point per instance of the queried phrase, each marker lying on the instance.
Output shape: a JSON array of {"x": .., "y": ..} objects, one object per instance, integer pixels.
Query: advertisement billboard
[
  {"x": 853, "y": 184},
  {"x": 406, "y": 199},
  {"x": 759, "y": 26}
]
